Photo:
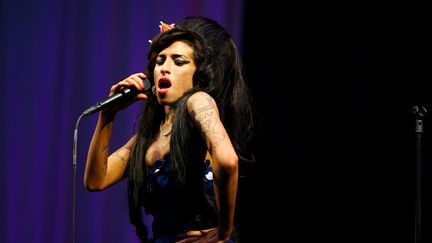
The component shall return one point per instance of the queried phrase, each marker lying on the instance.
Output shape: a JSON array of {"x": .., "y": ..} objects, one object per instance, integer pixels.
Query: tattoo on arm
[
  {"x": 207, "y": 119},
  {"x": 118, "y": 155},
  {"x": 105, "y": 142},
  {"x": 105, "y": 146},
  {"x": 121, "y": 155}
]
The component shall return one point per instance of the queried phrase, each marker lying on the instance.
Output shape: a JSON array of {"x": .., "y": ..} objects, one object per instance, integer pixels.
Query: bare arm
[
  {"x": 102, "y": 170},
  {"x": 203, "y": 109}
]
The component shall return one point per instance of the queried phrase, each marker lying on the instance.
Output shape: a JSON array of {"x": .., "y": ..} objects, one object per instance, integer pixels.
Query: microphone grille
[{"x": 147, "y": 84}]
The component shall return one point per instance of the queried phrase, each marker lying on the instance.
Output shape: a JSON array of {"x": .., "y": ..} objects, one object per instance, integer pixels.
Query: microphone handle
[{"x": 120, "y": 96}]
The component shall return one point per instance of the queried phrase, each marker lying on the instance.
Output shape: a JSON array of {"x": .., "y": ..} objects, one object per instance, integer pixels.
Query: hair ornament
[{"x": 164, "y": 27}]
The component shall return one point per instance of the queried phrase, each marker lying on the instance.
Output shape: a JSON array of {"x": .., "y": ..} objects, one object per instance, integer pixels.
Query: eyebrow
[{"x": 174, "y": 56}]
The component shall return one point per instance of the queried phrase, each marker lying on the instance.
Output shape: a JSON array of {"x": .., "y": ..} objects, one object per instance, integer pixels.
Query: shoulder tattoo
[{"x": 204, "y": 111}]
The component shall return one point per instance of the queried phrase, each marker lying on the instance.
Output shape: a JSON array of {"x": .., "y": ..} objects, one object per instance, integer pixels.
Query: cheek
[
  {"x": 188, "y": 83},
  {"x": 185, "y": 86}
]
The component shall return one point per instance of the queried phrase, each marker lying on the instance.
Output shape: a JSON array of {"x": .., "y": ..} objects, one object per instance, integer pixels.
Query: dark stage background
[{"x": 333, "y": 87}]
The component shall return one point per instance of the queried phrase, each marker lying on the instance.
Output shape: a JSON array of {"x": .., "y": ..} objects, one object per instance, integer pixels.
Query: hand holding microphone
[{"x": 132, "y": 87}]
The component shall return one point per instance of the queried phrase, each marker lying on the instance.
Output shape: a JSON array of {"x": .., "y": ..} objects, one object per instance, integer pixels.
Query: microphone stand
[
  {"x": 419, "y": 113},
  {"x": 74, "y": 154}
]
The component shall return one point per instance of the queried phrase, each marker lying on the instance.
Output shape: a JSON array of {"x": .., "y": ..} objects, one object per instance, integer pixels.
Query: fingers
[
  {"x": 190, "y": 239},
  {"x": 192, "y": 233},
  {"x": 207, "y": 235},
  {"x": 135, "y": 79},
  {"x": 142, "y": 96},
  {"x": 190, "y": 236}
]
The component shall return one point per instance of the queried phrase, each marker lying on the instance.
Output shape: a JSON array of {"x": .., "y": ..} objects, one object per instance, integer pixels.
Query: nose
[
  {"x": 164, "y": 72},
  {"x": 165, "y": 67}
]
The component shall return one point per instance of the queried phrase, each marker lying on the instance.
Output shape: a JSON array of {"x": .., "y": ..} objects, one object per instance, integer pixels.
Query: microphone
[{"x": 120, "y": 96}]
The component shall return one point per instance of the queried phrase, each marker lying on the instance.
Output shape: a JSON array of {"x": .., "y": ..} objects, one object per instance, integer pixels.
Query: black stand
[
  {"x": 419, "y": 113},
  {"x": 75, "y": 175}
]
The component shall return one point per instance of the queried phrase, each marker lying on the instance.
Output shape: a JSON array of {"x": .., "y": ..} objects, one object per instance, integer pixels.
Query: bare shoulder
[
  {"x": 203, "y": 110},
  {"x": 201, "y": 102}
]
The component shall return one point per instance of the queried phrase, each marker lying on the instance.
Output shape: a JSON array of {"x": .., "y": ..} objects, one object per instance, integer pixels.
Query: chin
[{"x": 164, "y": 101}]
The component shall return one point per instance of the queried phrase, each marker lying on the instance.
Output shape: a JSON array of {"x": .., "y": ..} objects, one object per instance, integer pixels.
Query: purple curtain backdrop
[{"x": 57, "y": 58}]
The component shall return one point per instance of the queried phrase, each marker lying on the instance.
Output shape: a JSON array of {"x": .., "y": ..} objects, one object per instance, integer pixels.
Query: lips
[{"x": 163, "y": 85}]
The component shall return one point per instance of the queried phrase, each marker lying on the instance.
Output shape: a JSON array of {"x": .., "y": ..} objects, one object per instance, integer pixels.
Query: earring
[{"x": 153, "y": 90}]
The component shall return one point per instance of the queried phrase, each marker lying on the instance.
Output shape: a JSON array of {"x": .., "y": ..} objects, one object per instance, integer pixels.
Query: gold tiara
[{"x": 164, "y": 27}]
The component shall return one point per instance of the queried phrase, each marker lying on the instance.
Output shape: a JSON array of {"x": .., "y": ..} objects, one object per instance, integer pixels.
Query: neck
[
  {"x": 165, "y": 130},
  {"x": 169, "y": 112},
  {"x": 166, "y": 125}
]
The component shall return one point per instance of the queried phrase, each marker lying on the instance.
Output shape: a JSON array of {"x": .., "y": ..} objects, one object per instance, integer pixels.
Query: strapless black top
[{"x": 176, "y": 209}]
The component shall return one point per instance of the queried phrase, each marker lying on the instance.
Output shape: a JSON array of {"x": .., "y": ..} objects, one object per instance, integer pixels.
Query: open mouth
[{"x": 164, "y": 84}]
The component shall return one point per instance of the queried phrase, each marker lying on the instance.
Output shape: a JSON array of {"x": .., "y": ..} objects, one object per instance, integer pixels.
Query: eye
[
  {"x": 180, "y": 62},
  {"x": 160, "y": 60}
]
